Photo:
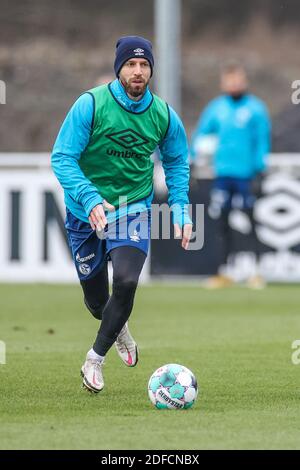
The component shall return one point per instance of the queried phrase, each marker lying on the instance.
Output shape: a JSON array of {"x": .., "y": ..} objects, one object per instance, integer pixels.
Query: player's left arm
[
  {"x": 174, "y": 155},
  {"x": 262, "y": 138}
]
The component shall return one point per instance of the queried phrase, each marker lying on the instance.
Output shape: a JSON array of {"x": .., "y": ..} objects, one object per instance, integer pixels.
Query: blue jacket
[
  {"x": 242, "y": 128},
  {"x": 80, "y": 194}
]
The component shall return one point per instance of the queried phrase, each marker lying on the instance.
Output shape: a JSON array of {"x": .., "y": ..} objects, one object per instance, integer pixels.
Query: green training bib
[{"x": 117, "y": 159}]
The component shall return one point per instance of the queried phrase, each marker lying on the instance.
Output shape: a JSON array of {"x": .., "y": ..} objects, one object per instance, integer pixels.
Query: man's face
[
  {"x": 234, "y": 83},
  {"x": 135, "y": 76}
]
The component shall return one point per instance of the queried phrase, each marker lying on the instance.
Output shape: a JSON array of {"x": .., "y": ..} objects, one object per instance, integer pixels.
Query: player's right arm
[{"x": 71, "y": 141}]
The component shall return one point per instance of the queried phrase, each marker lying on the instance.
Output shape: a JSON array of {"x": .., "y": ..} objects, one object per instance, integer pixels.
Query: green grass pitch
[{"x": 236, "y": 341}]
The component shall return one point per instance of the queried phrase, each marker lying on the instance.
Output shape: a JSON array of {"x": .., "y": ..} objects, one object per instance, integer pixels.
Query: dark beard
[{"x": 130, "y": 90}]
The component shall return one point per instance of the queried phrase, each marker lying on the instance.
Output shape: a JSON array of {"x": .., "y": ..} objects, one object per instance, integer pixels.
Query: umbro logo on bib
[{"x": 127, "y": 138}]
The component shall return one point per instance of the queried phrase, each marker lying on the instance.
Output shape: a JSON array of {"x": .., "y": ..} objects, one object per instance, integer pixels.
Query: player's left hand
[{"x": 185, "y": 234}]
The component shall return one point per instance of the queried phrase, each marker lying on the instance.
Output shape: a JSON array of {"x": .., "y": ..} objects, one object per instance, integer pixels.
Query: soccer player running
[{"x": 103, "y": 152}]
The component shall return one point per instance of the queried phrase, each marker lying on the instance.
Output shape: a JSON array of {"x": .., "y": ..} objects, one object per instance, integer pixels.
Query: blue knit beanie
[{"x": 129, "y": 47}]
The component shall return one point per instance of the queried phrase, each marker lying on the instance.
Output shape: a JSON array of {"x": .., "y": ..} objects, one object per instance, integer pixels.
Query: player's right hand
[{"x": 97, "y": 217}]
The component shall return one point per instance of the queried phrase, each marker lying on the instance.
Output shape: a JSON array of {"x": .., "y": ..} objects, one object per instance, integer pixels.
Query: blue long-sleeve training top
[
  {"x": 80, "y": 194},
  {"x": 242, "y": 128}
]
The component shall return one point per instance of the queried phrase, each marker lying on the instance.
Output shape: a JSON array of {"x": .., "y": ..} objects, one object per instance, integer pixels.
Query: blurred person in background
[
  {"x": 240, "y": 124},
  {"x": 103, "y": 152}
]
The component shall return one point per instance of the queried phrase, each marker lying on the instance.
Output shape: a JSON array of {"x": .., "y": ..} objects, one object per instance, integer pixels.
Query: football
[{"x": 173, "y": 386}]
